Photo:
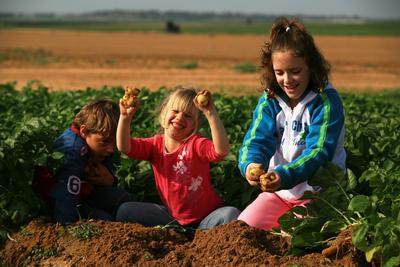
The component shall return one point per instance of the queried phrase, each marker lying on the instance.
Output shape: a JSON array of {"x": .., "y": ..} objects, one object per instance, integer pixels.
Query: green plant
[
  {"x": 38, "y": 253},
  {"x": 148, "y": 256},
  {"x": 177, "y": 227},
  {"x": 84, "y": 231},
  {"x": 188, "y": 65},
  {"x": 38, "y": 56},
  {"x": 366, "y": 197},
  {"x": 246, "y": 67}
]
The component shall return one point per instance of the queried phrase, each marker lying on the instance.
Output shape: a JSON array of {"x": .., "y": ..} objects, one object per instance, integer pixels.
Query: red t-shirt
[{"x": 182, "y": 177}]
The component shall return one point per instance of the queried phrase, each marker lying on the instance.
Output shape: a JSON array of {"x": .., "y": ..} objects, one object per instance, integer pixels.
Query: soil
[
  {"x": 67, "y": 60},
  {"x": 129, "y": 244}
]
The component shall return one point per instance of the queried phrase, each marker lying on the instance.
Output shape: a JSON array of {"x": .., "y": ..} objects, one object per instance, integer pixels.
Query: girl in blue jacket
[{"x": 298, "y": 125}]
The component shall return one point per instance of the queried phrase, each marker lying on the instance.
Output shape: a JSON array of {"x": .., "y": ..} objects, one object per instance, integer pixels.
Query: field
[
  {"x": 358, "y": 215},
  {"x": 65, "y": 60}
]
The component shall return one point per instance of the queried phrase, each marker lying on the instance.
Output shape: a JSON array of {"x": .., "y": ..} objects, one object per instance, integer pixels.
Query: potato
[
  {"x": 265, "y": 180},
  {"x": 256, "y": 171},
  {"x": 130, "y": 97},
  {"x": 203, "y": 98},
  {"x": 132, "y": 91}
]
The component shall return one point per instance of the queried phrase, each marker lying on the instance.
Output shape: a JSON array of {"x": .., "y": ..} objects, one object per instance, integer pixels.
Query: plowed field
[{"x": 76, "y": 60}]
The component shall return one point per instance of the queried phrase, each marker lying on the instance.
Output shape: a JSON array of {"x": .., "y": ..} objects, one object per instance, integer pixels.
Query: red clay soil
[{"x": 127, "y": 244}]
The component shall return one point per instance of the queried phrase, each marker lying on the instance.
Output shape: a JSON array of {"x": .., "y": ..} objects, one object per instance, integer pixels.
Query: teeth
[
  {"x": 291, "y": 87},
  {"x": 177, "y": 125}
]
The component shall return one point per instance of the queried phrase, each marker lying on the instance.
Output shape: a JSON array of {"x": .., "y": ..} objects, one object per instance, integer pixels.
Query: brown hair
[
  {"x": 99, "y": 117},
  {"x": 181, "y": 98},
  {"x": 291, "y": 34}
]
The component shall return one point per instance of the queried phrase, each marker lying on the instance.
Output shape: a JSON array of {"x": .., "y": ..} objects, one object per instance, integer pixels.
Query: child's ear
[{"x": 82, "y": 131}]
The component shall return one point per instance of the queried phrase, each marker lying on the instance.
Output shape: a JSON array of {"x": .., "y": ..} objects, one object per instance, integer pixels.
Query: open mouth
[
  {"x": 177, "y": 126},
  {"x": 290, "y": 87}
]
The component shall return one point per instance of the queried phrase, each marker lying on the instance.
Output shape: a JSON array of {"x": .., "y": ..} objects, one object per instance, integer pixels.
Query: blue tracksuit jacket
[{"x": 295, "y": 142}]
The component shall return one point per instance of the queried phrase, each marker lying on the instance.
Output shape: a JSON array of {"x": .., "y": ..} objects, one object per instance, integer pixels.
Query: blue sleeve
[
  {"x": 67, "y": 188},
  {"x": 68, "y": 178},
  {"x": 327, "y": 123},
  {"x": 259, "y": 143}
]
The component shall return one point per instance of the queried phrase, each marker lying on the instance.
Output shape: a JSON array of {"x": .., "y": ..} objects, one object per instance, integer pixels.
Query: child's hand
[
  {"x": 203, "y": 101},
  {"x": 130, "y": 97},
  {"x": 129, "y": 103},
  {"x": 253, "y": 172},
  {"x": 100, "y": 175},
  {"x": 205, "y": 104},
  {"x": 270, "y": 182},
  {"x": 129, "y": 111}
]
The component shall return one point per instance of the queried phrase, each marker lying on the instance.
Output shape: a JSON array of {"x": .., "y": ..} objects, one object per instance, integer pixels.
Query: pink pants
[{"x": 265, "y": 210}]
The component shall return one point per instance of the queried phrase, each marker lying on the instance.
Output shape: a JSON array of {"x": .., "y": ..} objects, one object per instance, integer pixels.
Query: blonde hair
[
  {"x": 181, "y": 98},
  {"x": 99, "y": 117}
]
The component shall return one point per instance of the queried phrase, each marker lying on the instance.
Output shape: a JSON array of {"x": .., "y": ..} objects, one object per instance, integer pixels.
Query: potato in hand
[
  {"x": 203, "y": 98},
  {"x": 265, "y": 181},
  {"x": 255, "y": 173},
  {"x": 130, "y": 97}
]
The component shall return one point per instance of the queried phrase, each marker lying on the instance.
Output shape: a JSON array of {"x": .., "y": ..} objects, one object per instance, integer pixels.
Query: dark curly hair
[{"x": 291, "y": 34}]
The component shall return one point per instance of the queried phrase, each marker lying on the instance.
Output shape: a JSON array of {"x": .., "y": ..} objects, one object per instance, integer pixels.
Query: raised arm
[
  {"x": 124, "y": 127},
  {"x": 218, "y": 133}
]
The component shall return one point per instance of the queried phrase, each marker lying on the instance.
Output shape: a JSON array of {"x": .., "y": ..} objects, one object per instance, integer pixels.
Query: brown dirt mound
[{"x": 127, "y": 244}]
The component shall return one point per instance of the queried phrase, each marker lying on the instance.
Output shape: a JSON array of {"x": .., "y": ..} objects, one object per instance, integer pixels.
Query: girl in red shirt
[{"x": 180, "y": 160}]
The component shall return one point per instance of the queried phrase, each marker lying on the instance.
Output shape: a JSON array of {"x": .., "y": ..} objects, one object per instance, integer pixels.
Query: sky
[{"x": 373, "y": 9}]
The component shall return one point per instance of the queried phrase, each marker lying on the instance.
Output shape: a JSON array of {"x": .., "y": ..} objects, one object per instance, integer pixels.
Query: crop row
[{"x": 366, "y": 197}]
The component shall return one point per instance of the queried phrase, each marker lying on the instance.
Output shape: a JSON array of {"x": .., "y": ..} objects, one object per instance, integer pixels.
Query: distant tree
[
  {"x": 171, "y": 27},
  {"x": 45, "y": 15}
]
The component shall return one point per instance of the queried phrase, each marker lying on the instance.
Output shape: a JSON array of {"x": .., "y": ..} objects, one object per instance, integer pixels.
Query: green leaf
[
  {"x": 388, "y": 164},
  {"x": 369, "y": 254},
  {"x": 359, "y": 203},
  {"x": 392, "y": 262},
  {"x": 352, "y": 179},
  {"x": 359, "y": 236},
  {"x": 57, "y": 155}
]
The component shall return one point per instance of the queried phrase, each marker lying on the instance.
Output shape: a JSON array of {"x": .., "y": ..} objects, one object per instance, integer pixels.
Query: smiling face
[
  {"x": 291, "y": 73},
  {"x": 179, "y": 117},
  {"x": 179, "y": 124}
]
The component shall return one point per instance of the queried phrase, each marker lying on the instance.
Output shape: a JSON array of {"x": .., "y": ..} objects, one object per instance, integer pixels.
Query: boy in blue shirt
[{"x": 85, "y": 185}]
